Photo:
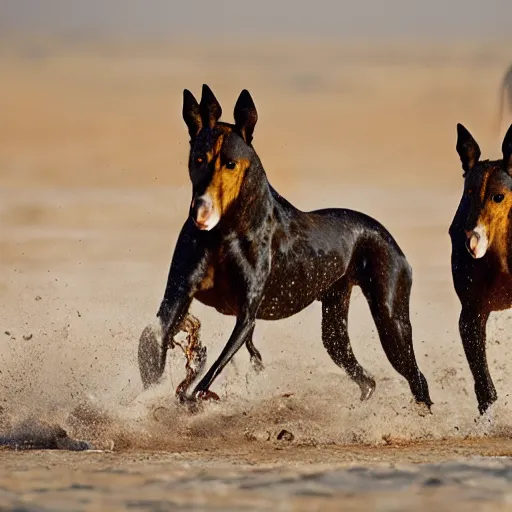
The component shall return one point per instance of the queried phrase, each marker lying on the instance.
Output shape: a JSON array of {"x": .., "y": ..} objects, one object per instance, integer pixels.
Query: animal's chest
[
  {"x": 501, "y": 292},
  {"x": 223, "y": 284}
]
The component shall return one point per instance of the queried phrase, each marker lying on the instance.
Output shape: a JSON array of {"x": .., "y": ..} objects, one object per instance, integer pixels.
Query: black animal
[
  {"x": 246, "y": 251},
  {"x": 481, "y": 237}
]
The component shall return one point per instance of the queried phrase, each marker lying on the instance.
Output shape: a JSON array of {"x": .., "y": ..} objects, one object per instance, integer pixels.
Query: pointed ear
[
  {"x": 245, "y": 115},
  {"x": 191, "y": 113},
  {"x": 506, "y": 148},
  {"x": 467, "y": 148},
  {"x": 210, "y": 107}
]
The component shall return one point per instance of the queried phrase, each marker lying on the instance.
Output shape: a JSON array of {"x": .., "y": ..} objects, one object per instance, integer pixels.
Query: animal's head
[
  {"x": 488, "y": 192},
  {"x": 221, "y": 154}
]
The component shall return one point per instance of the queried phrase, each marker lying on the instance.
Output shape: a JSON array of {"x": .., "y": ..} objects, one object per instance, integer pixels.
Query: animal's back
[
  {"x": 360, "y": 222},
  {"x": 314, "y": 250},
  {"x": 335, "y": 221}
]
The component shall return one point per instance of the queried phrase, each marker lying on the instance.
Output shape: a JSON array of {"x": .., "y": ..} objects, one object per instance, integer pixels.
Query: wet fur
[{"x": 266, "y": 259}]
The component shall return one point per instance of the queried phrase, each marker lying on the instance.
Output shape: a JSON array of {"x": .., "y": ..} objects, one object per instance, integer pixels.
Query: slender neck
[{"x": 254, "y": 204}]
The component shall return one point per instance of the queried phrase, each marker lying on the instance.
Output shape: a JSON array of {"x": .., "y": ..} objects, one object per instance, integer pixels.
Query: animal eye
[
  {"x": 199, "y": 160},
  {"x": 469, "y": 192},
  {"x": 230, "y": 165},
  {"x": 497, "y": 198}
]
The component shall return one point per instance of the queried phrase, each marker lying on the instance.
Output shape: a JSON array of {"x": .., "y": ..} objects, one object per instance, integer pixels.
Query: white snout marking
[
  {"x": 206, "y": 217},
  {"x": 478, "y": 242}
]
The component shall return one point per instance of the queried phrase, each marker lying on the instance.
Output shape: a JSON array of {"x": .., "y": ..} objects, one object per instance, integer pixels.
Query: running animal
[
  {"x": 247, "y": 252},
  {"x": 481, "y": 236}
]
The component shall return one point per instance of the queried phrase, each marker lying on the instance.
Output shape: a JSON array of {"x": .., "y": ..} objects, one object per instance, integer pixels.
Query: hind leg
[
  {"x": 254, "y": 353},
  {"x": 387, "y": 288},
  {"x": 335, "y": 337}
]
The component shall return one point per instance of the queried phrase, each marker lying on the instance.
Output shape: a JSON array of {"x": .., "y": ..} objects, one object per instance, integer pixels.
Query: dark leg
[
  {"x": 188, "y": 265},
  {"x": 254, "y": 353},
  {"x": 242, "y": 330},
  {"x": 172, "y": 315},
  {"x": 335, "y": 337},
  {"x": 153, "y": 347},
  {"x": 244, "y": 327},
  {"x": 152, "y": 355},
  {"x": 472, "y": 324},
  {"x": 387, "y": 289}
]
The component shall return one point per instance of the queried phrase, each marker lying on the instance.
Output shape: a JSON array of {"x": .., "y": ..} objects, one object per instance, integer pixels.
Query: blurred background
[
  {"x": 97, "y": 85},
  {"x": 342, "y": 19},
  {"x": 358, "y": 103}
]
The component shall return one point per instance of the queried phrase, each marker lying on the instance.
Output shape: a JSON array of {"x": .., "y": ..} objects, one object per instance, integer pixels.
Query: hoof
[
  {"x": 151, "y": 355},
  {"x": 257, "y": 365},
  {"x": 424, "y": 408},
  {"x": 367, "y": 388},
  {"x": 190, "y": 403},
  {"x": 207, "y": 395},
  {"x": 483, "y": 405},
  {"x": 484, "y": 408}
]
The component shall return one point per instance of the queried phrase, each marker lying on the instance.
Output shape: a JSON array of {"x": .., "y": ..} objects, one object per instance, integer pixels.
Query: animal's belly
[
  {"x": 224, "y": 302},
  {"x": 276, "y": 308},
  {"x": 273, "y": 307},
  {"x": 285, "y": 293},
  {"x": 290, "y": 289}
]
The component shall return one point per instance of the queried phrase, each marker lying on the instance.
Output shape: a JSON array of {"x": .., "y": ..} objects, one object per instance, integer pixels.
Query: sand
[{"x": 93, "y": 191}]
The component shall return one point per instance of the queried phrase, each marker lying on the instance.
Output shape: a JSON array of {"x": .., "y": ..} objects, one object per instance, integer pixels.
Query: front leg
[
  {"x": 172, "y": 315},
  {"x": 472, "y": 327},
  {"x": 186, "y": 273},
  {"x": 252, "y": 265},
  {"x": 243, "y": 328},
  {"x": 154, "y": 344},
  {"x": 188, "y": 267}
]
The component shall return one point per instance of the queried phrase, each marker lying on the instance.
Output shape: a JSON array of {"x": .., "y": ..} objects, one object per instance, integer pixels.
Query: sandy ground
[{"x": 93, "y": 190}]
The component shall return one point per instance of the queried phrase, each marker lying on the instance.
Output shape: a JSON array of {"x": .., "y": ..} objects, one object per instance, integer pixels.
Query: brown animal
[{"x": 481, "y": 236}]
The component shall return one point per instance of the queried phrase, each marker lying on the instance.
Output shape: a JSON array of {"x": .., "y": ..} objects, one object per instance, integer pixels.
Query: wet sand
[
  {"x": 286, "y": 479},
  {"x": 93, "y": 190}
]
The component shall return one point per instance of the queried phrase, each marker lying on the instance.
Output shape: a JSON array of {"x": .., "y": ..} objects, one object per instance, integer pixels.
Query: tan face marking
[
  {"x": 494, "y": 221},
  {"x": 226, "y": 184},
  {"x": 483, "y": 189},
  {"x": 223, "y": 189}
]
